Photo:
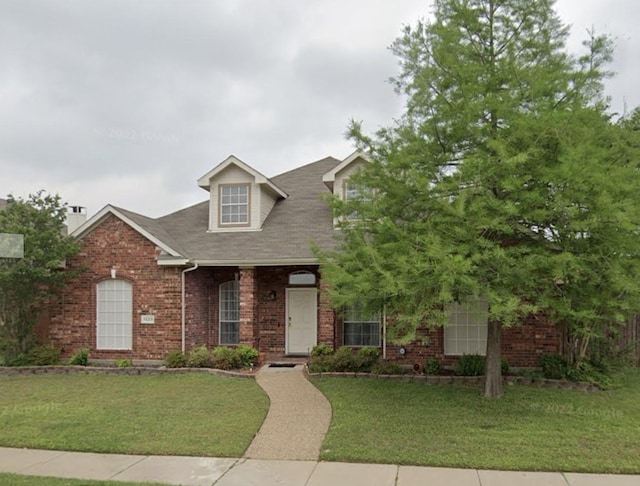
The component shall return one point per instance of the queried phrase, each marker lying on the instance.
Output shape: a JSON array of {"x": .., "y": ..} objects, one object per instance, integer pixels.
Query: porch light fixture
[
  {"x": 113, "y": 272},
  {"x": 272, "y": 295}
]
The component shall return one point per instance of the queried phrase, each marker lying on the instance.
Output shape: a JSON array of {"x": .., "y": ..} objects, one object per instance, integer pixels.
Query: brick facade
[{"x": 157, "y": 290}]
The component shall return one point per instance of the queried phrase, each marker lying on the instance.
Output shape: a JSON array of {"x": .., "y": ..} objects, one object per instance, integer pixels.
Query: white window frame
[
  {"x": 235, "y": 201},
  {"x": 355, "y": 316},
  {"x": 229, "y": 293},
  {"x": 114, "y": 315},
  {"x": 352, "y": 192},
  {"x": 466, "y": 332}
]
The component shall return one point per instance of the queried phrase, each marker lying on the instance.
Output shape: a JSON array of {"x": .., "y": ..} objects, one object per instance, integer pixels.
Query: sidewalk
[{"x": 207, "y": 471}]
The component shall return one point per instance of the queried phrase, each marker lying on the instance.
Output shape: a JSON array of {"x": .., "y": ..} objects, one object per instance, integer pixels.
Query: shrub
[
  {"x": 247, "y": 355},
  {"x": 81, "y": 358},
  {"x": 124, "y": 363},
  {"x": 470, "y": 365},
  {"x": 44, "y": 355},
  {"x": 226, "y": 358},
  {"x": 320, "y": 364},
  {"x": 431, "y": 366},
  {"x": 386, "y": 368},
  {"x": 344, "y": 359},
  {"x": 585, "y": 371},
  {"x": 554, "y": 366},
  {"x": 366, "y": 358},
  {"x": 175, "y": 359},
  {"x": 199, "y": 358},
  {"x": 321, "y": 350},
  {"x": 504, "y": 366},
  {"x": 38, "y": 356}
]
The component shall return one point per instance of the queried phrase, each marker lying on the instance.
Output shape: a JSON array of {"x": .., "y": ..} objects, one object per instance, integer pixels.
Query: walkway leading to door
[{"x": 298, "y": 418}]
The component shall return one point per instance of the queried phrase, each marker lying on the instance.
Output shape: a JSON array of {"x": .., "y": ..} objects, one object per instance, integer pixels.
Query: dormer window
[
  {"x": 352, "y": 192},
  {"x": 234, "y": 204},
  {"x": 240, "y": 198}
]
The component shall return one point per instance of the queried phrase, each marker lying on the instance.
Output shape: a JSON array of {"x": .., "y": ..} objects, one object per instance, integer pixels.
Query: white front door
[{"x": 302, "y": 320}]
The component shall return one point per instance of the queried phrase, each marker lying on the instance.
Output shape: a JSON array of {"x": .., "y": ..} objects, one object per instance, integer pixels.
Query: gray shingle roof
[{"x": 286, "y": 236}]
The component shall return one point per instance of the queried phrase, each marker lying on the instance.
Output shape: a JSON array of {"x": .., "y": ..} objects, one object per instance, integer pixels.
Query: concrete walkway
[
  {"x": 208, "y": 471},
  {"x": 298, "y": 419}
]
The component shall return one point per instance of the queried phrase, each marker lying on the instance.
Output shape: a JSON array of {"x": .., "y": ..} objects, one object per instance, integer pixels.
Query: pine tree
[{"x": 504, "y": 180}]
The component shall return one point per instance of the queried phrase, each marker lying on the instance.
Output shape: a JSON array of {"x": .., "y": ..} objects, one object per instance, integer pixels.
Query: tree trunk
[{"x": 493, "y": 368}]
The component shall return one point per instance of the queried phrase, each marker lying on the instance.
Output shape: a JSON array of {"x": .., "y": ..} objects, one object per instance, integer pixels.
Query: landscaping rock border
[
  {"x": 459, "y": 380},
  {"x": 113, "y": 370}
]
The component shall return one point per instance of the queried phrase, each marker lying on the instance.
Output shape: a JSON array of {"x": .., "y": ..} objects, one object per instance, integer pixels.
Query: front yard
[
  {"x": 374, "y": 420},
  {"x": 441, "y": 425},
  {"x": 189, "y": 414}
]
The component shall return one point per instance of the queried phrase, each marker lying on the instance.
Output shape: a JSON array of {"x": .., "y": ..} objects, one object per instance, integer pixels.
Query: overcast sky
[{"x": 130, "y": 102}]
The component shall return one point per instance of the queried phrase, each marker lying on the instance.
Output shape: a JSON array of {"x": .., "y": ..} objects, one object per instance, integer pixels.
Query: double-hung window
[
  {"x": 229, "y": 313},
  {"x": 114, "y": 314},
  {"x": 352, "y": 192},
  {"x": 361, "y": 328},
  {"x": 234, "y": 204},
  {"x": 466, "y": 332}
]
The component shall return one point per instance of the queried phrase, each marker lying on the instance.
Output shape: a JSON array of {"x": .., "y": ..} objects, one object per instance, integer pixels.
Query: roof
[
  {"x": 205, "y": 180},
  {"x": 286, "y": 237},
  {"x": 3, "y": 203},
  {"x": 148, "y": 227}
]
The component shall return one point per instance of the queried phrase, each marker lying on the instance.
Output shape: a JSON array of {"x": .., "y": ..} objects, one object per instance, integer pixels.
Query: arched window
[
  {"x": 229, "y": 312},
  {"x": 361, "y": 328},
  {"x": 302, "y": 277},
  {"x": 114, "y": 314}
]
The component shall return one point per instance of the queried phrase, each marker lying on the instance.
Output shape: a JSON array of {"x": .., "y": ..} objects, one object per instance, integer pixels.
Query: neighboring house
[
  {"x": 239, "y": 268},
  {"x": 3, "y": 203}
]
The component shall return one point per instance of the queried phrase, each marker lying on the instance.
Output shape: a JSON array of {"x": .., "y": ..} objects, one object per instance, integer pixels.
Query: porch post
[
  {"x": 326, "y": 317},
  {"x": 248, "y": 306}
]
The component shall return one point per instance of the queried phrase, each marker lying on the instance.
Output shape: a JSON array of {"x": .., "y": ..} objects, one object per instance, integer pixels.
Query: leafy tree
[
  {"x": 28, "y": 283},
  {"x": 505, "y": 179}
]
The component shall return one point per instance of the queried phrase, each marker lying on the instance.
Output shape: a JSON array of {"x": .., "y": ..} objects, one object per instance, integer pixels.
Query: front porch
[{"x": 281, "y": 311}]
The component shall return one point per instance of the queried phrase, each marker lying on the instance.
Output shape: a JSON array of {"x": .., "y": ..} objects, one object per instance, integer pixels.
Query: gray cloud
[{"x": 130, "y": 102}]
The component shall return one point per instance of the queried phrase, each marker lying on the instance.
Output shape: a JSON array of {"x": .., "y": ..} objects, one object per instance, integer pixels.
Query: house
[{"x": 239, "y": 268}]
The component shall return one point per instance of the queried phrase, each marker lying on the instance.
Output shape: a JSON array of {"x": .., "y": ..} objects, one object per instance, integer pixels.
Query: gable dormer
[
  {"x": 240, "y": 197},
  {"x": 337, "y": 179}
]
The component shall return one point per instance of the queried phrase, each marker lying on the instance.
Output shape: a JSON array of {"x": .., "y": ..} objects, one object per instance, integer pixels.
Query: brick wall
[
  {"x": 156, "y": 290},
  {"x": 199, "y": 294},
  {"x": 522, "y": 346}
]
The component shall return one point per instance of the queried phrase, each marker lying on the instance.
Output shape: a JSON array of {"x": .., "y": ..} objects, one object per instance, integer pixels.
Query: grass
[
  {"x": 531, "y": 428},
  {"x": 190, "y": 414},
  {"x": 18, "y": 480}
]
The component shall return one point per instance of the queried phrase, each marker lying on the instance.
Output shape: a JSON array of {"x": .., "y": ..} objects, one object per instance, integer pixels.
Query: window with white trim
[
  {"x": 114, "y": 314},
  {"x": 361, "y": 328},
  {"x": 466, "y": 332},
  {"x": 230, "y": 312},
  {"x": 234, "y": 204},
  {"x": 352, "y": 192}
]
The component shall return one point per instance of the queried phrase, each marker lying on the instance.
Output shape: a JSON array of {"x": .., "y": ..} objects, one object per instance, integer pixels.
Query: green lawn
[
  {"x": 189, "y": 414},
  {"x": 529, "y": 429},
  {"x": 17, "y": 480}
]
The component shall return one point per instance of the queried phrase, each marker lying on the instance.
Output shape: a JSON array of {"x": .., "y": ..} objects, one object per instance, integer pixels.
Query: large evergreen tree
[
  {"x": 28, "y": 283},
  {"x": 504, "y": 180}
]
